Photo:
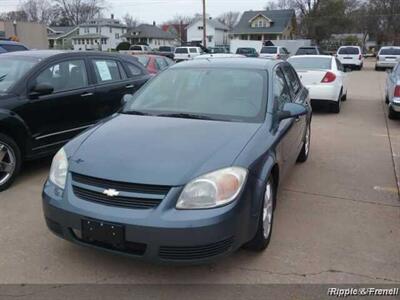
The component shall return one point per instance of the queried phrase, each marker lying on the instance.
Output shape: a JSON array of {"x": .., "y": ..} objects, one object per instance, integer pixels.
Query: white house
[
  {"x": 99, "y": 34},
  {"x": 151, "y": 35},
  {"x": 217, "y": 33}
]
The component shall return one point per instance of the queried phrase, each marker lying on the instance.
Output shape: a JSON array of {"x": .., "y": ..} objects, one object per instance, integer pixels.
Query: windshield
[
  {"x": 165, "y": 49},
  {"x": 217, "y": 50},
  {"x": 390, "y": 51},
  {"x": 306, "y": 51},
  {"x": 143, "y": 59},
  {"x": 349, "y": 50},
  {"x": 221, "y": 94},
  {"x": 13, "y": 69},
  {"x": 311, "y": 63},
  {"x": 246, "y": 50},
  {"x": 269, "y": 50}
]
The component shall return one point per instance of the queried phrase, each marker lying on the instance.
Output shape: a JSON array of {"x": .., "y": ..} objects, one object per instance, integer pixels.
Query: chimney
[
  {"x": 112, "y": 16},
  {"x": 154, "y": 23}
]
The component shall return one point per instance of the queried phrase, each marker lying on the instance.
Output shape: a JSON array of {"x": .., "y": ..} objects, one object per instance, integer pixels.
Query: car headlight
[
  {"x": 59, "y": 169},
  {"x": 213, "y": 189}
]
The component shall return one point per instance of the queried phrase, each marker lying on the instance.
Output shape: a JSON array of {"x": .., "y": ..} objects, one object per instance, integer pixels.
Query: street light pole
[{"x": 204, "y": 25}]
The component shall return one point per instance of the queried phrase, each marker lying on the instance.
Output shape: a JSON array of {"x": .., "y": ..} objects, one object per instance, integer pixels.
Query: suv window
[
  {"x": 269, "y": 50},
  {"x": 349, "y": 50},
  {"x": 63, "y": 76},
  {"x": 13, "y": 48},
  {"x": 281, "y": 90},
  {"x": 292, "y": 79},
  {"x": 106, "y": 70},
  {"x": 135, "y": 71},
  {"x": 193, "y": 50},
  {"x": 181, "y": 50},
  {"x": 307, "y": 51}
]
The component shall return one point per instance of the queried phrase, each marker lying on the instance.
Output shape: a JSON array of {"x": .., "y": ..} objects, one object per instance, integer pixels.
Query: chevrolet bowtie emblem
[{"x": 111, "y": 193}]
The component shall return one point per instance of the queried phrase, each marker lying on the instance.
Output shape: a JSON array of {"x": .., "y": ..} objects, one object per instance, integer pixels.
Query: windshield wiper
[
  {"x": 2, "y": 77},
  {"x": 136, "y": 112},
  {"x": 185, "y": 116}
]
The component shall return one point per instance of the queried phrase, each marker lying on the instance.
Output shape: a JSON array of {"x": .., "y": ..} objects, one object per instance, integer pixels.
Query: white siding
[{"x": 218, "y": 37}]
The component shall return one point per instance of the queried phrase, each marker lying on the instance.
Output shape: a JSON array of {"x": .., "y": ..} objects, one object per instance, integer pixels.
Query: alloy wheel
[
  {"x": 268, "y": 210},
  {"x": 7, "y": 163},
  {"x": 307, "y": 141}
]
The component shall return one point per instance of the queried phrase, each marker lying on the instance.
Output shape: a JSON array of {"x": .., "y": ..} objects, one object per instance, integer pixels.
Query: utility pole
[{"x": 204, "y": 25}]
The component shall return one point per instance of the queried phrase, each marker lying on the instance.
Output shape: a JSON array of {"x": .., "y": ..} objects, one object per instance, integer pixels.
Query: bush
[{"x": 123, "y": 46}]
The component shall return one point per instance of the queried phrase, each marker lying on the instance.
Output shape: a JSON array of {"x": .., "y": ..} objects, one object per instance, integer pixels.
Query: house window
[
  {"x": 260, "y": 23},
  {"x": 200, "y": 28},
  {"x": 86, "y": 30},
  {"x": 117, "y": 35},
  {"x": 110, "y": 29},
  {"x": 210, "y": 38}
]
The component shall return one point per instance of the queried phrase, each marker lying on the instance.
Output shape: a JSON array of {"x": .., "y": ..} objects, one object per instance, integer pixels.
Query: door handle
[
  {"x": 86, "y": 94},
  {"x": 130, "y": 86}
]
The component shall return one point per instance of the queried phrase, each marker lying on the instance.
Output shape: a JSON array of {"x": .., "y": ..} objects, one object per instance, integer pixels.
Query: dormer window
[{"x": 260, "y": 21}]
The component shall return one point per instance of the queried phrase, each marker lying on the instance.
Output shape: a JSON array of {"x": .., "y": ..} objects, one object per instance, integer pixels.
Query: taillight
[
  {"x": 397, "y": 92},
  {"x": 278, "y": 56},
  {"x": 329, "y": 77},
  {"x": 360, "y": 57}
]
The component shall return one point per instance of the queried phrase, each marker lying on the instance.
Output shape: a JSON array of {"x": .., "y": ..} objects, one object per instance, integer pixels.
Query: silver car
[
  {"x": 274, "y": 52},
  {"x": 387, "y": 57},
  {"x": 393, "y": 91}
]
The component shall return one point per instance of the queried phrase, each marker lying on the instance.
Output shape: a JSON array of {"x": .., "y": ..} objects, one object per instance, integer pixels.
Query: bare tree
[
  {"x": 178, "y": 19},
  {"x": 130, "y": 21},
  {"x": 229, "y": 18},
  {"x": 76, "y": 12},
  {"x": 18, "y": 15},
  {"x": 280, "y": 4},
  {"x": 41, "y": 11}
]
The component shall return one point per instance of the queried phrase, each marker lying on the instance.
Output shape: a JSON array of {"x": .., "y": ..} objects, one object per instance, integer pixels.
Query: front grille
[
  {"x": 121, "y": 186},
  {"x": 120, "y": 201},
  {"x": 135, "y": 196},
  {"x": 196, "y": 252}
]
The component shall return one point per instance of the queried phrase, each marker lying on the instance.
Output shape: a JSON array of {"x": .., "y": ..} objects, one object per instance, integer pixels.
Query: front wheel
[
  {"x": 10, "y": 161},
  {"x": 392, "y": 114},
  {"x": 263, "y": 236}
]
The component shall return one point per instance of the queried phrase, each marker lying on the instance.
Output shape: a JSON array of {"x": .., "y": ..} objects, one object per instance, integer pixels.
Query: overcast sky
[{"x": 162, "y": 10}]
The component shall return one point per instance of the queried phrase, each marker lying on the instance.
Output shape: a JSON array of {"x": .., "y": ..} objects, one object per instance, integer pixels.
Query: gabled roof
[
  {"x": 60, "y": 31},
  {"x": 260, "y": 15},
  {"x": 103, "y": 22},
  {"x": 211, "y": 22},
  {"x": 90, "y": 36},
  {"x": 280, "y": 20},
  {"x": 148, "y": 31}
]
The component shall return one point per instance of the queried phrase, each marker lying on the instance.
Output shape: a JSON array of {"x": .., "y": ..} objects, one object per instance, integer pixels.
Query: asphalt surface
[{"x": 337, "y": 219}]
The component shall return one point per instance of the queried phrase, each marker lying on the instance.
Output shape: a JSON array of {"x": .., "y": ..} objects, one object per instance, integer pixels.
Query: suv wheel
[
  {"x": 10, "y": 161},
  {"x": 263, "y": 236}
]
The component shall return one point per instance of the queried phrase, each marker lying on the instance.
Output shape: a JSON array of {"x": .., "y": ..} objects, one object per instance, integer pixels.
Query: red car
[{"x": 154, "y": 63}]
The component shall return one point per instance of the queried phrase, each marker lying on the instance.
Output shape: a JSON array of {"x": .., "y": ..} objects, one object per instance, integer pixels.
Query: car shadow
[{"x": 320, "y": 108}]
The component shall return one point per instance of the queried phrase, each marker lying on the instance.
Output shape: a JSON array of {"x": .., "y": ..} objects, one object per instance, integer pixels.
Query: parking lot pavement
[{"x": 337, "y": 219}]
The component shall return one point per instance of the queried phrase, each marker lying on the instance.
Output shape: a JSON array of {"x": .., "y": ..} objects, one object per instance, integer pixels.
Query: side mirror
[
  {"x": 126, "y": 98},
  {"x": 292, "y": 110},
  {"x": 41, "y": 89}
]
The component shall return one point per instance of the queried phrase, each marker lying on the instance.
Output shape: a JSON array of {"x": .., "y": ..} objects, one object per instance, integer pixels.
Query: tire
[
  {"x": 392, "y": 114},
  {"x": 377, "y": 68},
  {"x": 10, "y": 158},
  {"x": 344, "y": 97},
  {"x": 335, "y": 107},
  {"x": 386, "y": 99},
  {"x": 262, "y": 238},
  {"x": 305, "y": 150}
]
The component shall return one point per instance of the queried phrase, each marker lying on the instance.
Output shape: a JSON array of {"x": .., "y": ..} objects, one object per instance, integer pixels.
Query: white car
[
  {"x": 393, "y": 92},
  {"x": 351, "y": 57},
  {"x": 219, "y": 55},
  {"x": 274, "y": 52},
  {"x": 387, "y": 57},
  {"x": 324, "y": 76},
  {"x": 187, "y": 53}
]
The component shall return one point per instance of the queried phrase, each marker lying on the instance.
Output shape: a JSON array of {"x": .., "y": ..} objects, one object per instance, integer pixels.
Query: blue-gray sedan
[{"x": 189, "y": 170}]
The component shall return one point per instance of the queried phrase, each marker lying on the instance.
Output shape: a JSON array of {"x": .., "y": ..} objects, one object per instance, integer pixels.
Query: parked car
[
  {"x": 387, "y": 57},
  {"x": 217, "y": 50},
  {"x": 393, "y": 92},
  {"x": 324, "y": 76},
  {"x": 137, "y": 49},
  {"x": 351, "y": 57},
  {"x": 10, "y": 46},
  {"x": 154, "y": 63},
  {"x": 187, "y": 53},
  {"x": 47, "y": 97},
  {"x": 219, "y": 55},
  {"x": 189, "y": 170},
  {"x": 274, "y": 52},
  {"x": 311, "y": 50},
  {"x": 248, "y": 52},
  {"x": 167, "y": 51}
]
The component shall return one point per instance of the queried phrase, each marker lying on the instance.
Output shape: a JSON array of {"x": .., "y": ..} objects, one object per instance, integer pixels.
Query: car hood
[{"x": 159, "y": 150}]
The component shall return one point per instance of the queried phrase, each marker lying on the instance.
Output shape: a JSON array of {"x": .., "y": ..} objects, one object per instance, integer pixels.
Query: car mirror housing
[
  {"x": 126, "y": 98},
  {"x": 41, "y": 89},
  {"x": 292, "y": 110}
]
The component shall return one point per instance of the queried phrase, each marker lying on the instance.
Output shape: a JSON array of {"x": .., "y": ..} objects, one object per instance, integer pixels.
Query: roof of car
[
  {"x": 234, "y": 63},
  {"x": 311, "y": 56},
  {"x": 6, "y": 42}
]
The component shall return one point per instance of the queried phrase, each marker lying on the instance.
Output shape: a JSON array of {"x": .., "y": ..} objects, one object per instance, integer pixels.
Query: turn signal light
[
  {"x": 397, "y": 92},
  {"x": 329, "y": 77}
]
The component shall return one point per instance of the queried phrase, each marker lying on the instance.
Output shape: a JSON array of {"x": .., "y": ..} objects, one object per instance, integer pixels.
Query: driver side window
[{"x": 281, "y": 90}]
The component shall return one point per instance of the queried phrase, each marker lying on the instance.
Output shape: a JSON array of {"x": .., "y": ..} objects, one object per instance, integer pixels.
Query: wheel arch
[{"x": 14, "y": 127}]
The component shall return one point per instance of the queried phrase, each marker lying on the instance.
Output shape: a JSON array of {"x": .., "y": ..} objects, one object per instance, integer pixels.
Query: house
[
  {"x": 101, "y": 34},
  {"x": 178, "y": 30},
  {"x": 60, "y": 37},
  {"x": 217, "y": 33},
  {"x": 151, "y": 35},
  {"x": 264, "y": 25}
]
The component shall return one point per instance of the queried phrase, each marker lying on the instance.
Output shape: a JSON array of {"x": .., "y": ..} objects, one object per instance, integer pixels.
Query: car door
[
  {"x": 55, "y": 117},
  {"x": 111, "y": 83},
  {"x": 286, "y": 129},
  {"x": 391, "y": 82}
]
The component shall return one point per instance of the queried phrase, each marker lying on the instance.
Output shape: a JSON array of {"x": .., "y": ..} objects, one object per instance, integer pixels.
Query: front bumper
[
  {"x": 324, "y": 92},
  {"x": 395, "y": 104},
  {"x": 162, "y": 234}
]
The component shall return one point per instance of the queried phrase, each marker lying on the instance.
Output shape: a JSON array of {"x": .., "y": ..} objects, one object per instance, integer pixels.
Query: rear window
[
  {"x": 245, "y": 50},
  {"x": 311, "y": 63},
  {"x": 165, "y": 49},
  {"x": 136, "y": 48},
  {"x": 269, "y": 50},
  {"x": 181, "y": 50},
  {"x": 13, "y": 48},
  {"x": 390, "y": 51},
  {"x": 307, "y": 51},
  {"x": 349, "y": 50}
]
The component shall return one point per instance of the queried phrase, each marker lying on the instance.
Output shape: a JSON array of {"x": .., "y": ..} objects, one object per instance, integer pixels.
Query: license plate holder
[{"x": 94, "y": 231}]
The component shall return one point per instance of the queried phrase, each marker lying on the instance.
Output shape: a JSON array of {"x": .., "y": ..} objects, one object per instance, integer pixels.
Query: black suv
[{"x": 47, "y": 97}]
